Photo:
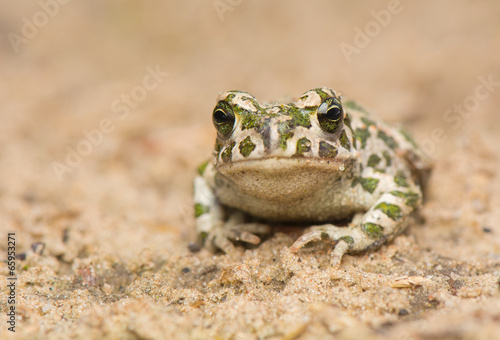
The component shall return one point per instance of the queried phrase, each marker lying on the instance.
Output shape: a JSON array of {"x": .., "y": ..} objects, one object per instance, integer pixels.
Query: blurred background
[{"x": 106, "y": 105}]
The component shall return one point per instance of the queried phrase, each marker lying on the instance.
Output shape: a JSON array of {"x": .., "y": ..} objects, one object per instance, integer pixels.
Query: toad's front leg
[
  {"x": 217, "y": 230},
  {"x": 387, "y": 218}
]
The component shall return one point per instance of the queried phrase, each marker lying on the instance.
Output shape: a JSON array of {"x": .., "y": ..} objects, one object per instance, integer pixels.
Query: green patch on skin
[
  {"x": 347, "y": 239},
  {"x": 326, "y": 150},
  {"x": 367, "y": 121},
  {"x": 373, "y": 160},
  {"x": 373, "y": 230},
  {"x": 362, "y": 135},
  {"x": 351, "y": 104},
  {"x": 393, "y": 211},
  {"x": 300, "y": 117},
  {"x": 303, "y": 146},
  {"x": 203, "y": 235},
  {"x": 388, "y": 158},
  {"x": 322, "y": 93},
  {"x": 369, "y": 184},
  {"x": 391, "y": 143},
  {"x": 202, "y": 167},
  {"x": 344, "y": 141},
  {"x": 411, "y": 198},
  {"x": 285, "y": 130},
  {"x": 400, "y": 179},
  {"x": 200, "y": 209},
  {"x": 249, "y": 120},
  {"x": 324, "y": 236},
  {"x": 246, "y": 146},
  {"x": 227, "y": 154}
]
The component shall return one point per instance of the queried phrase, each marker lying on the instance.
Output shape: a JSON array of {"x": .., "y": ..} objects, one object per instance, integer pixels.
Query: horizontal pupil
[
  {"x": 333, "y": 113},
  {"x": 219, "y": 115}
]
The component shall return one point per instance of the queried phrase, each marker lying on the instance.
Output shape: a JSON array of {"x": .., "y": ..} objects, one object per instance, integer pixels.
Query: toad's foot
[
  {"x": 222, "y": 237},
  {"x": 348, "y": 239},
  {"x": 387, "y": 218}
]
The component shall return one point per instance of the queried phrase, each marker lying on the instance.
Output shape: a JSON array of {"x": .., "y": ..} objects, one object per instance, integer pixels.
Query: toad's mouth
[{"x": 283, "y": 179}]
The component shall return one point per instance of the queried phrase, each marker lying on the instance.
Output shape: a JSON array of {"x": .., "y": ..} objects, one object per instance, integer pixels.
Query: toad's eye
[
  {"x": 330, "y": 115},
  {"x": 223, "y": 119}
]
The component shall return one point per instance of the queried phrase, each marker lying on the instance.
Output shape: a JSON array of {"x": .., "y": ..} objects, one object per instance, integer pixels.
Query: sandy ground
[{"x": 105, "y": 115}]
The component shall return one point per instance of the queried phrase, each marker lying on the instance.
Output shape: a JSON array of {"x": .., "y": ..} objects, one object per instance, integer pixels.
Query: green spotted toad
[{"x": 314, "y": 162}]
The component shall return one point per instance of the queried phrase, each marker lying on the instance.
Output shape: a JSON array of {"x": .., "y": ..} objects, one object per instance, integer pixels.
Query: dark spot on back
[
  {"x": 374, "y": 160},
  {"x": 362, "y": 135},
  {"x": 303, "y": 146},
  {"x": 391, "y": 143}
]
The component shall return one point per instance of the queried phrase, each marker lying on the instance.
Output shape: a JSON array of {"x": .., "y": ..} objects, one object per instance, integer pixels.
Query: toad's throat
[{"x": 279, "y": 180}]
